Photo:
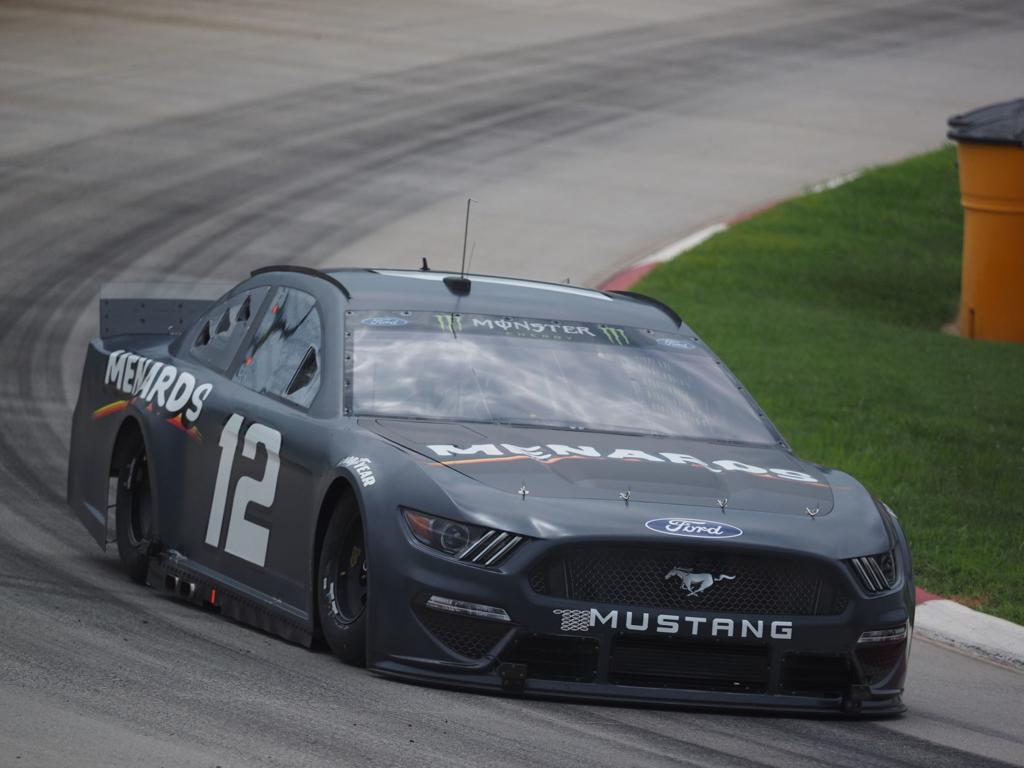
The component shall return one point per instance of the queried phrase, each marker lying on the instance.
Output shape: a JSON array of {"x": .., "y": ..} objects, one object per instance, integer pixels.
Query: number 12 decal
[{"x": 245, "y": 539}]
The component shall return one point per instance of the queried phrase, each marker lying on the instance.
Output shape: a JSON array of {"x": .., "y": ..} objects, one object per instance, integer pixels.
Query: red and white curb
[
  {"x": 627, "y": 278},
  {"x": 838, "y": 181},
  {"x": 937, "y": 618},
  {"x": 630, "y": 276},
  {"x": 951, "y": 623}
]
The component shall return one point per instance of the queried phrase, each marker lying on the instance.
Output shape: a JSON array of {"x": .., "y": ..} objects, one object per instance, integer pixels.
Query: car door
[
  {"x": 254, "y": 508},
  {"x": 208, "y": 351}
]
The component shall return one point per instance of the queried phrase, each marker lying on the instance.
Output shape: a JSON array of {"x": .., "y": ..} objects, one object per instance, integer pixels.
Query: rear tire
[
  {"x": 135, "y": 511},
  {"x": 342, "y": 585}
]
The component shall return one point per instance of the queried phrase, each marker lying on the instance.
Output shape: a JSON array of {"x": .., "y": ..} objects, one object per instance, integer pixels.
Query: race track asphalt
[{"x": 198, "y": 140}]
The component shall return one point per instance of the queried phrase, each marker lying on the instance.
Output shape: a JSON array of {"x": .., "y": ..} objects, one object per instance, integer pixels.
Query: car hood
[{"x": 557, "y": 463}]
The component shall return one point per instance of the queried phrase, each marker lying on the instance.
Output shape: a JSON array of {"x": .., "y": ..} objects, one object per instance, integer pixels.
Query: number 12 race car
[{"x": 490, "y": 484}]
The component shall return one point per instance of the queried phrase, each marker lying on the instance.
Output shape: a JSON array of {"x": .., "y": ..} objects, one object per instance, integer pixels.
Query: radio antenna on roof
[
  {"x": 465, "y": 237},
  {"x": 460, "y": 285}
]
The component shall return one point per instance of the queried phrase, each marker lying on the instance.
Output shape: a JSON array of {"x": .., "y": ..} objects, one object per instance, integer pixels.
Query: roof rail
[
  {"x": 653, "y": 302},
  {"x": 303, "y": 271}
]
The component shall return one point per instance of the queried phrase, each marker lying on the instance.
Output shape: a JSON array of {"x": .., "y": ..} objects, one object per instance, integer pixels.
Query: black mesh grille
[
  {"x": 839, "y": 602},
  {"x": 877, "y": 661},
  {"x": 816, "y": 675},
  {"x": 555, "y": 657},
  {"x": 468, "y": 637},
  {"x": 655, "y": 661},
  {"x": 658, "y": 578}
]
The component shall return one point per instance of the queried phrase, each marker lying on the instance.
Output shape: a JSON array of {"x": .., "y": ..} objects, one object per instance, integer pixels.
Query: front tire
[
  {"x": 342, "y": 586},
  {"x": 135, "y": 512}
]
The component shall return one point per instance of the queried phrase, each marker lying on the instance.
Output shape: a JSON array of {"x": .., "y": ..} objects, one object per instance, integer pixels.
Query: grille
[
  {"x": 878, "y": 661},
  {"x": 539, "y": 581},
  {"x": 816, "y": 675},
  {"x": 655, "y": 578},
  {"x": 554, "y": 657},
  {"x": 472, "y": 638},
  {"x": 839, "y": 602},
  {"x": 659, "y": 662}
]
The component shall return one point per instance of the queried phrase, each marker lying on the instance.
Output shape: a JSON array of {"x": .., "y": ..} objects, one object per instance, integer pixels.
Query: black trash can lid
[{"x": 995, "y": 124}]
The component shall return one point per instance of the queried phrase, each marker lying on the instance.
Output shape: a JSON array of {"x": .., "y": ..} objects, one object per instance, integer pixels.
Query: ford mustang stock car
[{"x": 485, "y": 483}]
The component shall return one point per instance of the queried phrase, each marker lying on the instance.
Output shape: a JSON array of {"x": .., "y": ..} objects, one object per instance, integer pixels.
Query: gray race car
[{"x": 486, "y": 483}]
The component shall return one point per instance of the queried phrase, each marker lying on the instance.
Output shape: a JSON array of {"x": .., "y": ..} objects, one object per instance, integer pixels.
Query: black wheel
[
  {"x": 342, "y": 586},
  {"x": 134, "y": 509}
]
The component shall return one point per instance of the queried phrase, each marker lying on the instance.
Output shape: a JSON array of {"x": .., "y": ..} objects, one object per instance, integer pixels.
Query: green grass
[{"x": 829, "y": 307}]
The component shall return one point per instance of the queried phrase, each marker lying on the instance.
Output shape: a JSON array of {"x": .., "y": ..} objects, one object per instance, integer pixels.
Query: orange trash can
[{"x": 990, "y": 152}]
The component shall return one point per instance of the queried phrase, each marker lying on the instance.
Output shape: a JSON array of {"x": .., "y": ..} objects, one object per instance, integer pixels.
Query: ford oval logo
[
  {"x": 694, "y": 529},
  {"x": 385, "y": 321},
  {"x": 675, "y": 343}
]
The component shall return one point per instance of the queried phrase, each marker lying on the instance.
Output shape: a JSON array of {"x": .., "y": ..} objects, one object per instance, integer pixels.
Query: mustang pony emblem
[{"x": 695, "y": 583}]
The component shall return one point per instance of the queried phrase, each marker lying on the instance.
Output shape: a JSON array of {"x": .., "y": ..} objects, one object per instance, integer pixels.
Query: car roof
[{"x": 420, "y": 290}]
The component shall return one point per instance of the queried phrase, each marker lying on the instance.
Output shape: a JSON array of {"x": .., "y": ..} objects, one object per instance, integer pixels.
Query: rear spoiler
[{"x": 167, "y": 309}]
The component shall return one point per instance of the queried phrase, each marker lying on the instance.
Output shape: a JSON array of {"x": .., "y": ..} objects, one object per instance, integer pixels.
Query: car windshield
[{"x": 559, "y": 374}]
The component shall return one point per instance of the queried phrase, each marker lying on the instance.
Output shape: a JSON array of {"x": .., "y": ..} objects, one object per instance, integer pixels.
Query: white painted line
[
  {"x": 687, "y": 243},
  {"x": 973, "y": 631},
  {"x": 838, "y": 181}
]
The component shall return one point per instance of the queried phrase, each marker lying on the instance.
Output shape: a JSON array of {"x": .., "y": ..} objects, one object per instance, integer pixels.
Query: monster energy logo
[
  {"x": 449, "y": 323},
  {"x": 615, "y": 335}
]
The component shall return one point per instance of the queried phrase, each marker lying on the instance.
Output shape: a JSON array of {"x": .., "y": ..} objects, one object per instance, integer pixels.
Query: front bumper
[{"x": 559, "y": 648}]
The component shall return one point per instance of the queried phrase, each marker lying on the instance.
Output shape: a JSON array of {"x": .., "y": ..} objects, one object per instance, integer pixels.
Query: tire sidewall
[
  {"x": 347, "y": 639},
  {"x": 134, "y": 555}
]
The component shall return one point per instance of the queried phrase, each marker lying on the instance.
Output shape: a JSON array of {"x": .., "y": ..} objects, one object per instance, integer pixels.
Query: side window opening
[
  {"x": 204, "y": 335},
  {"x": 305, "y": 374},
  {"x": 283, "y": 357},
  {"x": 224, "y": 328},
  {"x": 225, "y": 322}
]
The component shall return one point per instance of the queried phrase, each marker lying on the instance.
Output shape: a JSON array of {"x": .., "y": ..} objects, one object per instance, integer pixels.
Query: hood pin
[
  {"x": 624, "y": 495},
  {"x": 524, "y": 491},
  {"x": 813, "y": 513},
  {"x": 722, "y": 504}
]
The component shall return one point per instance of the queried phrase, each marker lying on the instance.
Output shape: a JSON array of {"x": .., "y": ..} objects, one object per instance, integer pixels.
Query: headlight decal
[
  {"x": 469, "y": 543},
  {"x": 877, "y": 573},
  {"x": 491, "y": 548}
]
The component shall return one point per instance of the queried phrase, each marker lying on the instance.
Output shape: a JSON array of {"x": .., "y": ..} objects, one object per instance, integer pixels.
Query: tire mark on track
[
  {"x": 234, "y": 190},
  {"x": 540, "y": 111}
]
